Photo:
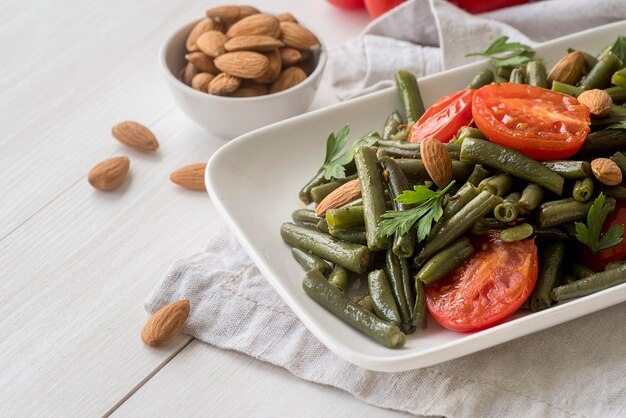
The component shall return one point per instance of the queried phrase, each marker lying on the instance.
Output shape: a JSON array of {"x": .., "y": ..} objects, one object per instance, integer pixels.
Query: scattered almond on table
[
  {"x": 135, "y": 135},
  {"x": 235, "y": 46},
  {"x": 109, "y": 173},
  {"x": 190, "y": 176},
  {"x": 165, "y": 324}
]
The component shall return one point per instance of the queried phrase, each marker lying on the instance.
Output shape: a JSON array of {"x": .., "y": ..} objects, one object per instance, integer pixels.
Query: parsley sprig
[
  {"x": 503, "y": 53},
  {"x": 335, "y": 161},
  {"x": 428, "y": 209},
  {"x": 590, "y": 234}
]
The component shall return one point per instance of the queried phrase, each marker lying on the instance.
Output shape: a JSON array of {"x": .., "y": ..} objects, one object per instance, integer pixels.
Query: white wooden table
[{"x": 76, "y": 264}]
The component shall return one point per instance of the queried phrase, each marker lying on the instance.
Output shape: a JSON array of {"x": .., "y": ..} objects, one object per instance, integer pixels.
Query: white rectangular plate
[{"x": 254, "y": 181}]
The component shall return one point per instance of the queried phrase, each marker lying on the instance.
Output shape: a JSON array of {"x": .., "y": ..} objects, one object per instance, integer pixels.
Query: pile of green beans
[{"x": 498, "y": 191}]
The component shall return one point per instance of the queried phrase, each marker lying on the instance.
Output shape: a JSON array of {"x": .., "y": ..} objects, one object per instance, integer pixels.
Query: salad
[{"x": 506, "y": 195}]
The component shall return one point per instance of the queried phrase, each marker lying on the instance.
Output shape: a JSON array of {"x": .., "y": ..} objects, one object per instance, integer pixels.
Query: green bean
[
  {"x": 318, "y": 193},
  {"x": 569, "y": 169},
  {"x": 339, "y": 278},
  {"x": 456, "y": 225},
  {"x": 549, "y": 273},
  {"x": 537, "y": 75},
  {"x": 404, "y": 152},
  {"x": 305, "y": 215},
  {"x": 504, "y": 72},
  {"x": 366, "y": 302},
  {"x": 415, "y": 170},
  {"x": 591, "y": 284},
  {"x": 373, "y": 193},
  {"x": 615, "y": 265},
  {"x": 564, "y": 88},
  {"x": 322, "y": 226},
  {"x": 403, "y": 134},
  {"x": 317, "y": 287},
  {"x": 499, "y": 79},
  {"x": 580, "y": 270},
  {"x": 510, "y": 161},
  {"x": 354, "y": 257},
  {"x": 419, "y": 310},
  {"x": 485, "y": 225},
  {"x": 446, "y": 261},
  {"x": 600, "y": 75},
  {"x": 518, "y": 76},
  {"x": 391, "y": 124},
  {"x": 410, "y": 146},
  {"x": 619, "y": 78},
  {"x": 616, "y": 192},
  {"x": 410, "y": 95},
  {"x": 306, "y": 224},
  {"x": 531, "y": 198},
  {"x": 309, "y": 261},
  {"x": 403, "y": 245},
  {"x": 500, "y": 184},
  {"x": 345, "y": 217},
  {"x": 382, "y": 296},
  {"x": 355, "y": 202},
  {"x": 478, "y": 174},
  {"x": 483, "y": 78},
  {"x": 620, "y": 160},
  {"x": 468, "y": 132},
  {"x": 454, "y": 204},
  {"x": 407, "y": 284},
  {"x": 583, "y": 189},
  {"x": 557, "y": 212},
  {"x": 396, "y": 280},
  {"x": 567, "y": 278},
  {"x": 604, "y": 142},
  {"x": 550, "y": 233},
  {"x": 349, "y": 235},
  {"x": 305, "y": 192},
  {"x": 618, "y": 94},
  {"x": 508, "y": 210},
  {"x": 516, "y": 233}
]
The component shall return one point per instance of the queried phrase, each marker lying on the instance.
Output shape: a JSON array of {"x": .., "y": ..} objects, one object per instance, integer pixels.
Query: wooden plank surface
[{"x": 76, "y": 264}]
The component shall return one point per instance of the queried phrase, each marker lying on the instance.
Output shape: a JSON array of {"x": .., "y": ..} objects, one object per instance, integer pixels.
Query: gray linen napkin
[{"x": 575, "y": 369}]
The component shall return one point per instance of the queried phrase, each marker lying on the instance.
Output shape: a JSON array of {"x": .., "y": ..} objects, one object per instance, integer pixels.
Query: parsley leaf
[
  {"x": 334, "y": 161},
  {"x": 620, "y": 125},
  {"x": 428, "y": 210},
  {"x": 590, "y": 234},
  {"x": 503, "y": 53},
  {"x": 619, "y": 48}
]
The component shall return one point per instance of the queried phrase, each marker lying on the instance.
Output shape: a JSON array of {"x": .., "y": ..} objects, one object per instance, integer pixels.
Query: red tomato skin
[
  {"x": 348, "y": 4},
  {"x": 598, "y": 261},
  {"x": 482, "y": 6},
  {"x": 376, "y": 8},
  {"x": 444, "y": 118},
  {"x": 536, "y": 112},
  {"x": 451, "y": 311}
]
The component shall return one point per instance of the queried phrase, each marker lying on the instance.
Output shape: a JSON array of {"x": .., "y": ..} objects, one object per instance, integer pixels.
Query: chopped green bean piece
[
  {"x": 516, "y": 233},
  {"x": 549, "y": 273}
]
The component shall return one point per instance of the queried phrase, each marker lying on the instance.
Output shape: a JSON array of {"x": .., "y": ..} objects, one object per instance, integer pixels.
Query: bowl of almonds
[{"x": 238, "y": 69}]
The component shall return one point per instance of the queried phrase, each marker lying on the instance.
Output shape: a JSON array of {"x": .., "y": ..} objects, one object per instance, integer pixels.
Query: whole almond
[
  {"x": 223, "y": 84},
  {"x": 249, "y": 88},
  {"x": 597, "y": 101},
  {"x": 135, "y": 135},
  {"x": 286, "y": 17},
  {"x": 204, "y": 25},
  {"x": 165, "y": 324},
  {"x": 297, "y": 36},
  {"x": 231, "y": 14},
  {"x": 569, "y": 69},
  {"x": 212, "y": 43},
  {"x": 243, "y": 64},
  {"x": 287, "y": 79},
  {"x": 606, "y": 171},
  {"x": 437, "y": 161},
  {"x": 273, "y": 69},
  {"x": 109, "y": 173},
  {"x": 189, "y": 73},
  {"x": 181, "y": 74},
  {"x": 259, "y": 43},
  {"x": 190, "y": 176},
  {"x": 202, "y": 62},
  {"x": 201, "y": 81},
  {"x": 345, "y": 193},
  {"x": 290, "y": 56},
  {"x": 258, "y": 24}
]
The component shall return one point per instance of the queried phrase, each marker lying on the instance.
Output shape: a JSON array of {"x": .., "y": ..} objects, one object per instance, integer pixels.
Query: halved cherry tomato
[
  {"x": 348, "y": 4},
  {"x": 540, "y": 123},
  {"x": 611, "y": 254},
  {"x": 488, "y": 288},
  {"x": 445, "y": 117},
  {"x": 376, "y": 8}
]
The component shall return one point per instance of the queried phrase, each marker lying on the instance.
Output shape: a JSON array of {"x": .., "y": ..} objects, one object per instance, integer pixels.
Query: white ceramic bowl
[{"x": 229, "y": 117}]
